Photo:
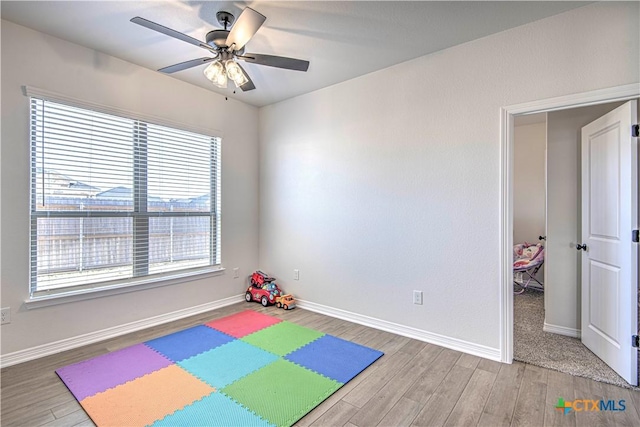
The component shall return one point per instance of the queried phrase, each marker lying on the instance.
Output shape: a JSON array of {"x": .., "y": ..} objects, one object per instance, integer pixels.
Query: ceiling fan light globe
[
  {"x": 214, "y": 70},
  {"x": 221, "y": 81},
  {"x": 234, "y": 72},
  {"x": 241, "y": 81}
]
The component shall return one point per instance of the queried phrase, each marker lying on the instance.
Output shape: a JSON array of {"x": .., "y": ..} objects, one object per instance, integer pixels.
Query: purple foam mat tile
[{"x": 96, "y": 375}]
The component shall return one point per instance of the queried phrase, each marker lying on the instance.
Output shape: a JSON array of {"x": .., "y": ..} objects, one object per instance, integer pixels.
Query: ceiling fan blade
[
  {"x": 276, "y": 61},
  {"x": 247, "y": 24},
  {"x": 184, "y": 65},
  {"x": 171, "y": 33},
  {"x": 249, "y": 84}
]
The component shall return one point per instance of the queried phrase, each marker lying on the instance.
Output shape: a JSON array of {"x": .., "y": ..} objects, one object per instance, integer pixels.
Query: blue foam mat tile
[
  {"x": 213, "y": 410},
  {"x": 189, "y": 342},
  {"x": 227, "y": 363},
  {"x": 335, "y": 358}
]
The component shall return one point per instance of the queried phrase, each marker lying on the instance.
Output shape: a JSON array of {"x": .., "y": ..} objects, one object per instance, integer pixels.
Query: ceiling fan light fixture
[
  {"x": 235, "y": 73},
  {"x": 216, "y": 73},
  {"x": 221, "y": 82},
  {"x": 224, "y": 46}
]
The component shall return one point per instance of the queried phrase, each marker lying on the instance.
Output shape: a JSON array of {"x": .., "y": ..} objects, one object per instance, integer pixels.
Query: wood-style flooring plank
[
  {"x": 394, "y": 344},
  {"x": 469, "y": 407},
  {"x": 336, "y": 415},
  {"x": 32, "y": 417},
  {"x": 413, "y": 347},
  {"x": 66, "y": 408},
  {"x": 354, "y": 331},
  {"x": 402, "y": 414},
  {"x": 381, "y": 402},
  {"x": 498, "y": 411},
  {"x": 382, "y": 340},
  {"x": 44, "y": 401},
  {"x": 69, "y": 419},
  {"x": 468, "y": 361},
  {"x": 441, "y": 403},
  {"x": 624, "y": 418},
  {"x": 582, "y": 390},
  {"x": 369, "y": 335},
  {"x": 559, "y": 385},
  {"x": 635, "y": 400},
  {"x": 426, "y": 384},
  {"x": 530, "y": 406},
  {"x": 600, "y": 392},
  {"x": 489, "y": 365},
  {"x": 386, "y": 370},
  {"x": 85, "y": 423}
]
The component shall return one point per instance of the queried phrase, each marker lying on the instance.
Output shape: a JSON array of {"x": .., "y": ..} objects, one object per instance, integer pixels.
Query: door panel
[
  {"x": 604, "y": 293},
  {"x": 604, "y": 155},
  {"x": 609, "y": 264}
]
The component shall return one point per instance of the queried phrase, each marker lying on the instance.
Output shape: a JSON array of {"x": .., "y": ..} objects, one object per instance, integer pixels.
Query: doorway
[
  {"x": 547, "y": 212},
  {"x": 507, "y": 196}
]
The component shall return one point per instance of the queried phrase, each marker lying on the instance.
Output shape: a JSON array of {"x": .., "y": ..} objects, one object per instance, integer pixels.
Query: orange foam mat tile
[{"x": 147, "y": 399}]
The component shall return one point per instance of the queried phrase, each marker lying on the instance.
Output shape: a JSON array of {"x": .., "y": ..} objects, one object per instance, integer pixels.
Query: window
[{"x": 115, "y": 200}]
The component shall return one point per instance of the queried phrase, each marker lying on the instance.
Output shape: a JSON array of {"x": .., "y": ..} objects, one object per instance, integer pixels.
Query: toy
[
  {"x": 259, "y": 278},
  {"x": 262, "y": 289},
  {"x": 286, "y": 301}
]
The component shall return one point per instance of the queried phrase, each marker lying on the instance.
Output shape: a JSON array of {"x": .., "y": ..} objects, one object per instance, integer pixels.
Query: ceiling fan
[{"x": 227, "y": 46}]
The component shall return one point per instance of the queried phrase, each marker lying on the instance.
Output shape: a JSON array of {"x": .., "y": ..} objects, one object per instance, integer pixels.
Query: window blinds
[{"x": 115, "y": 198}]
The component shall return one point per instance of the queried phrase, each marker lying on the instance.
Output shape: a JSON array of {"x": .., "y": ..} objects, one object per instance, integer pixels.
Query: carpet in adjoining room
[{"x": 558, "y": 352}]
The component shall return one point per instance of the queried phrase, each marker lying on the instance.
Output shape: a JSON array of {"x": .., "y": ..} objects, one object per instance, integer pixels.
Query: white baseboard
[
  {"x": 562, "y": 330},
  {"x": 406, "y": 331},
  {"x": 92, "y": 337}
]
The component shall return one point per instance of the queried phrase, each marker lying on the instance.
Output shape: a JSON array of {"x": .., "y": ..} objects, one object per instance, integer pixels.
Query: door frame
[{"x": 507, "y": 113}]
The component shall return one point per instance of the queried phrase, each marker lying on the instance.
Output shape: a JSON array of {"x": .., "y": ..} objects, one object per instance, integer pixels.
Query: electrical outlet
[
  {"x": 518, "y": 277},
  {"x": 417, "y": 297},
  {"x": 236, "y": 273},
  {"x": 5, "y": 315},
  {"x": 296, "y": 274}
]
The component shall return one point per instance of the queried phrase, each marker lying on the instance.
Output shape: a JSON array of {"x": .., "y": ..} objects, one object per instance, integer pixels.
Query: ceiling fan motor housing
[{"x": 217, "y": 38}]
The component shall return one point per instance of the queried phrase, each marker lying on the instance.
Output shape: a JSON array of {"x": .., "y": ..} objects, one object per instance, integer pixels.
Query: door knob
[{"x": 583, "y": 246}]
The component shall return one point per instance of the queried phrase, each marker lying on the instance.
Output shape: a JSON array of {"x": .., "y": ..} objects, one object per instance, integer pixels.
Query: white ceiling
[{"x": 341, "y": 39}]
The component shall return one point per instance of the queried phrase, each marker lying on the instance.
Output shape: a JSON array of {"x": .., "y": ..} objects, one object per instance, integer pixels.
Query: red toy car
[{"x": 262, "y": 289}]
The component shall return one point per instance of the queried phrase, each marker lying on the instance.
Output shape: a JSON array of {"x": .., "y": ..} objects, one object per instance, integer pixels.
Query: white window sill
[{"x": 139, "y": 285}]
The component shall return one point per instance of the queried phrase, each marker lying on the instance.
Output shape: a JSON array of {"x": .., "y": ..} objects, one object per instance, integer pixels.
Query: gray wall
[{"x": 530, "y": 142}]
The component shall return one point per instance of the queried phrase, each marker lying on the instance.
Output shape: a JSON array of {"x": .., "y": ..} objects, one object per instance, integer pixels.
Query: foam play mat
[{"x": 247, "y": 369}]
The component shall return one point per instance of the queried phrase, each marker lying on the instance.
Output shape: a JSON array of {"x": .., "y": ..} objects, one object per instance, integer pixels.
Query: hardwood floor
[{"x": 414, "y": 383}]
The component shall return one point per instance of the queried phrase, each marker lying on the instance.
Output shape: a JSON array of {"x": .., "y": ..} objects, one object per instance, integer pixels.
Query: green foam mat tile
[
  {"x": 282, "y": 338},
  {"x": 281, "y": 392}
]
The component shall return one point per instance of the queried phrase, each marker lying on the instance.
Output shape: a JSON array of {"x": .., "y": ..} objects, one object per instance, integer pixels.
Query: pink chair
[{"x": 527, "y": 260}]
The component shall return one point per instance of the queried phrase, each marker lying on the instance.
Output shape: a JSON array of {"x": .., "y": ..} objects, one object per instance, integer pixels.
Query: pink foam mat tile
[{"x": 242, "y": 324}]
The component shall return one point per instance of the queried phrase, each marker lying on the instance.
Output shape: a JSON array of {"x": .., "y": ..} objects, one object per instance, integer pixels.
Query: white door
[{"x": 610, "y": 258}]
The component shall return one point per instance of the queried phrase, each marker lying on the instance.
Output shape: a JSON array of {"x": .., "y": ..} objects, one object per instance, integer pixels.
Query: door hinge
[
  {"x": 635, "y": 131},
  {"x": 635, "y": 238},
  {"x": 635, "y": 341}
]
